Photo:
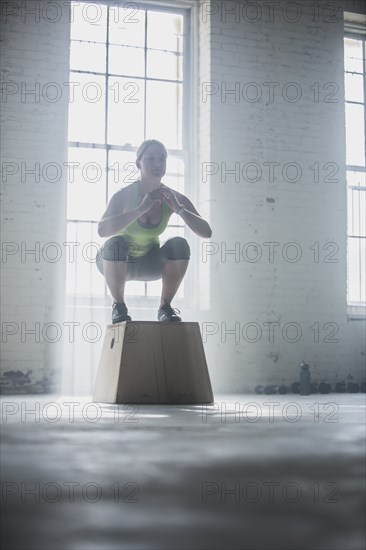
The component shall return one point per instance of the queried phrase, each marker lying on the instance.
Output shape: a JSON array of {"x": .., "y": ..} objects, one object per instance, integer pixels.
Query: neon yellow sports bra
[{"x": 141, "y": 236}]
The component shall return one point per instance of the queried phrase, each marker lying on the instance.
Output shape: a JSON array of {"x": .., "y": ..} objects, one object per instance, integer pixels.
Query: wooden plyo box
[{"x": 153, "y": 362}]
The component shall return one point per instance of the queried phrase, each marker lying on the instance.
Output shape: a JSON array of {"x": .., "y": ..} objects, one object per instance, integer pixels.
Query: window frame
[{"x": 353, "y": 30}]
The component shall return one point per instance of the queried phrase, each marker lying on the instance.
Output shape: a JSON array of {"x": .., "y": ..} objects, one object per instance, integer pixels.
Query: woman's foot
[
  {"x": 167, "y": 313},
  {"x": 120, "y": 313}
]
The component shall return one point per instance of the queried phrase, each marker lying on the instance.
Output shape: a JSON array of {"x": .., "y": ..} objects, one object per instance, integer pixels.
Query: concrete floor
[{"x": 289, "y": 475}]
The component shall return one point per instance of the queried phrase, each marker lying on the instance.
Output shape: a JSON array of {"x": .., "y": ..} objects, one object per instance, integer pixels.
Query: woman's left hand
[{"x": 171, "y": 199}]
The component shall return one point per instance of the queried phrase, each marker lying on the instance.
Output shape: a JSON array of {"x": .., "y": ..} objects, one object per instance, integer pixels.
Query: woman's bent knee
[
  {"x": 115, "y": 249},
  {"x": 177, "y": 248}
]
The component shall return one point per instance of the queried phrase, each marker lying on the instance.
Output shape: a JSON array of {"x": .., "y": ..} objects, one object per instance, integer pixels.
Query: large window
[
  {"x": 355, "y": 89},
  {"x": 128, "y": 83}
]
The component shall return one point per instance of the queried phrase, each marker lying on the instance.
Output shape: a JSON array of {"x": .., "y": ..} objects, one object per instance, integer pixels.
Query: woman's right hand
[{"x": 150, "y": 199}]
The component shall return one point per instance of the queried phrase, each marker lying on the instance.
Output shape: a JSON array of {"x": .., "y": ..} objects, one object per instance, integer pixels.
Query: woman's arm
[
  {"x": 109, "y": 226},
  {"x": 116, "y": 217},
  {"x": 189, "y": 214},
  {"x": 194, "y": 220}
]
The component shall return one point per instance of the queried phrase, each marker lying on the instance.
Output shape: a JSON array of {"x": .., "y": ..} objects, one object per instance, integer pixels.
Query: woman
[{"x": 135, "y": 217}]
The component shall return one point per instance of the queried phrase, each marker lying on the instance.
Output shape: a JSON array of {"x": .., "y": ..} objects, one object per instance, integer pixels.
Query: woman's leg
[
  {"x": 177, "y": 253},
  {"x": 115, "y": 265},
  {"x": 116, "y": 275},
  {"x": 173, "y": 275}
]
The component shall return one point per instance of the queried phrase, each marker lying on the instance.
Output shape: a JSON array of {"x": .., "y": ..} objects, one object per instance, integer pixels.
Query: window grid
[
  {"x": 177, "y": 154},
  {"x": 356, "y": 237}
]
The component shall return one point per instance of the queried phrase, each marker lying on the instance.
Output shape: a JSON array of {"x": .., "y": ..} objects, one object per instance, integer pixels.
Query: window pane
[
  {"x": 88, "y": 21},
  {"x": 356, "y": 178},
  {"x": 127, "y": 25},
  {"x": 86, "y": 108},
  {"x": 86, "y": 184},
  {"x": 122, "y": 170},
  {"x": 165, "y": 65},
  {"x": 165, "y": 31},
  {"x": 354, "y": 87},
  {"x": 154, "y": 288},
  {"x": 174, "y": 177},
  {"x": 82, "y": 274},
  {"x": 126, "y": 111},
  {"x": 135, "y": 288},
  {"x": 356, "y": 270},
  {"x": 127, "y": 61},
  {"x": 353, "y": 55},
  {"x": 355, "y": 134},
  {"x": 356, "y": 212},
  {"x": 87, "y": 56},
  {"x": 164, "y": 113}
]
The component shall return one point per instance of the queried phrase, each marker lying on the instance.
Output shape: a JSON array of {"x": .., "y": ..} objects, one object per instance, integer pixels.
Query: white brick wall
[
  {"x": 34, "y": 52},
  {"x": 245, "y": 294}
]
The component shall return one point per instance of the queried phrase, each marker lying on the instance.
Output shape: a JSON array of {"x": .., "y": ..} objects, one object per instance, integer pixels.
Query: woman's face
[{"x": 153, "y": 162}]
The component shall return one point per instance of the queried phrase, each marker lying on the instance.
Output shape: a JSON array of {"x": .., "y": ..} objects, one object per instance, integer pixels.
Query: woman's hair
[{"x": 145, "y": 144}]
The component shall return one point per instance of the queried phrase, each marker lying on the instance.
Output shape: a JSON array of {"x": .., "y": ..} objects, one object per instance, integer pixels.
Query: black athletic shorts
[{"x": 144, "y": 268}]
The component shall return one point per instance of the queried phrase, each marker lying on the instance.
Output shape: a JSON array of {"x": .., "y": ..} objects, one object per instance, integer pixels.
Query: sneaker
[
  {"x": 120, "y": 313},
  {"x": 167, "y": 313}
]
